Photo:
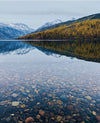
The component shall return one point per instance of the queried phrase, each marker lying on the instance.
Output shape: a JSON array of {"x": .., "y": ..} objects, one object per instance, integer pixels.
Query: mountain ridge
[
  {"x": 47, "y": 25},
  {"x": 8, "y": 31},
  {"x": 93, "y": 16},
  {"x": 86, "y": 27}
]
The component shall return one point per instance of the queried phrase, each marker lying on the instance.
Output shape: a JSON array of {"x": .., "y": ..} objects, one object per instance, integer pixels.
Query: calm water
[{"x": 48, "y": 85}]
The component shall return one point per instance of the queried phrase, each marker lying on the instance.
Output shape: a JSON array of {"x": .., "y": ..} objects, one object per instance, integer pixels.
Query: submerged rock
[
  {"x": 38, "y": 116},
  {"x": 88, "y": 97},
  {"x": 15, "y": 103},
  {"x": 93, "y": 112},
  {"x": 83, "y": 122},
  {"x": 14, "y": 95},
  {"x": 69, "y": 117},
  {"x": 98, "y": 117},
  {"x": 59, "y": 102},
  {"x": 20, "y": 121},
  {"x": 12, "y": 114},
  {"x": 29, "y": 120},
  {"x": 59, "y": 118},
  {"x": 23, "y": 106},
  {"x": 41, "y": 112}
]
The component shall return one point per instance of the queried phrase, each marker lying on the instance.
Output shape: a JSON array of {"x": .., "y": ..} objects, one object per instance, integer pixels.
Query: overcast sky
[{"x": 36, "y": 13}]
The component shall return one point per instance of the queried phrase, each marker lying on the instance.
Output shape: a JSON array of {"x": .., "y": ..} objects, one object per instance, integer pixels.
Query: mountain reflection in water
[
  {"x": 42, "y": 81},
  {"x": 85, "y": 50},
  {"x": 19, "y": 47}
]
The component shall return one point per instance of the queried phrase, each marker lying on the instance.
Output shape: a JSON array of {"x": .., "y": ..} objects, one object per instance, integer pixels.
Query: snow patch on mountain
[
  {"x": 8, "y": 31},
  {"x": 50, "y": 23},
  {"x": 19, "y": 26}
]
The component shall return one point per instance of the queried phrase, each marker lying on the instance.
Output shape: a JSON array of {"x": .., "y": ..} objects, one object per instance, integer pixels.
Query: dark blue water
[{"x": 47, "y": 86}]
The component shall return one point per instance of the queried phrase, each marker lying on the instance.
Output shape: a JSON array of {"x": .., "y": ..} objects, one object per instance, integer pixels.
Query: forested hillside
[{"x": 89, "y": 29}]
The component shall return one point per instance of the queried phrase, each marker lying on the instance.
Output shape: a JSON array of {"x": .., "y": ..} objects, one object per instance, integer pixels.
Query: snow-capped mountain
[
  {"x": 19, "y": 26},
  {"x": 8, "y": 31},
  {"x": 51, "y": 23},
  {"x": 48, "y": 24}
]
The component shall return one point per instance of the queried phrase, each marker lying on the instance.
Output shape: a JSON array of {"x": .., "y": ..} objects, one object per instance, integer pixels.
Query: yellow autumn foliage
[{"x": 85, "y": 29}]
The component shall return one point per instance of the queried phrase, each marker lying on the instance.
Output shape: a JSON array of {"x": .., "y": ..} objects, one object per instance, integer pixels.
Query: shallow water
[{"x": 48, "y": 86}]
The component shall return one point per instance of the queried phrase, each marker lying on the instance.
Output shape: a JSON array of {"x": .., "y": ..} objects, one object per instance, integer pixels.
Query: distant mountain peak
[
  {"x": 73, "y": 18},
  {"x": 13, "y": 30},
  {"x": 19, "y": 26},
  {"x": 55, "y": 21},
  {"x": 50, "y": 24}
]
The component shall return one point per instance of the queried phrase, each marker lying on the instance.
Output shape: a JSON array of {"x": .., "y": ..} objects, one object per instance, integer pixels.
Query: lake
[{"x": 49, "y": 82}]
